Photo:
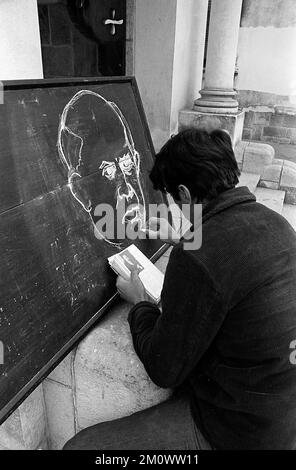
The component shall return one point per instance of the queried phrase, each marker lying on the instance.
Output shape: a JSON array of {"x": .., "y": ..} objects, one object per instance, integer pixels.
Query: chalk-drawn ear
[
  {"x": 70, "y": 147},
  {"x": 78, "y": 190}
]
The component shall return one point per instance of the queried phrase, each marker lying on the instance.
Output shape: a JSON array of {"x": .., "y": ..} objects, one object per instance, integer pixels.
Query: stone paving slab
[
  {"x": 26, "y": 426},
  {"x": 250, "y": 180},
  {"x": 288, "y": 175},
  {"x": 274, "y": 199},
  {"x": 239, "y": 150},
  {"x": 272, "y": 173},
  {"x": 256, "y": 157}
]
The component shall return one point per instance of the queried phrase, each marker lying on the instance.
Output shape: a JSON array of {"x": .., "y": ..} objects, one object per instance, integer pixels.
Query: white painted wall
[
  {"x": 168, "y": 60},
  {"x": 267, "y": 60},
  {"x": 267, "y": 47},
  {"x": 20, "y": 49},
  {"x": 188, "y": 58},
  {"x": 154, "y": 57}
]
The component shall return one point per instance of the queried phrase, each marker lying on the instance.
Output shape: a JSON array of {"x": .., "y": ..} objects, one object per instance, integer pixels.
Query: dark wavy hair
[{"x": 201, "y": 160}]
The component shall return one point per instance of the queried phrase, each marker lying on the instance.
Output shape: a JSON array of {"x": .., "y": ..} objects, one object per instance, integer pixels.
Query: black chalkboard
[{"x": 65, "y": 148}]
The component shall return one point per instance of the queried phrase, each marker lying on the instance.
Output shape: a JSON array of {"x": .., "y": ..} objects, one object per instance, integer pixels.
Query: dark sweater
[{"x": 228, "y": 319}]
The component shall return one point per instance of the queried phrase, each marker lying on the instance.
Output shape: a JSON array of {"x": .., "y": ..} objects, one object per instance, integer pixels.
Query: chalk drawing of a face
[{"x": 96, "y": 146}]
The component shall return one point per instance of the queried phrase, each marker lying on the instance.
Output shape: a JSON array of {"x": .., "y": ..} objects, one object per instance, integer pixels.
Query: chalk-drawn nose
[{"x": 125, "y": 190}]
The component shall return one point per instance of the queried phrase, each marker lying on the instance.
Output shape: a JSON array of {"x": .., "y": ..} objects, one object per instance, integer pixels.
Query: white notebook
[{"x": 151, "y": 277}]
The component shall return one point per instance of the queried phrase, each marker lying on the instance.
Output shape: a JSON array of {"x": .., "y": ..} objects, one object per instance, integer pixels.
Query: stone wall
[
  {"x": 26, "y": 428},
  {"x": 276, "y": 124}
]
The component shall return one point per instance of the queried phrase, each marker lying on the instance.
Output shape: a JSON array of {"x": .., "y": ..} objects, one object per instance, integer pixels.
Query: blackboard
[{"x": 65, "y": 147}]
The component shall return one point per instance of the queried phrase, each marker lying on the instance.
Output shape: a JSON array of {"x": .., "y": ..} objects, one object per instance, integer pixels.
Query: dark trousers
[{"x": 167, "y": 426}]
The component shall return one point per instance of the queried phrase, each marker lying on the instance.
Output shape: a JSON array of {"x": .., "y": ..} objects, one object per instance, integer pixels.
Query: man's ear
[
  {"x": 184, "y": 194},
  {"x": 78, "y": 191}
]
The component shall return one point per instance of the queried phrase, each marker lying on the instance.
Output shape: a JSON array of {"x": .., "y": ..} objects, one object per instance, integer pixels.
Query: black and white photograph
[{"x": 121, "y": 123}]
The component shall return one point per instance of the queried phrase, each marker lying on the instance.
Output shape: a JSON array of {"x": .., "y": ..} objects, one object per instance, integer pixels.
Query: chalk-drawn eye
[
  {"x": 126, "y": 164},
  {"x": 108, "y": 170}
]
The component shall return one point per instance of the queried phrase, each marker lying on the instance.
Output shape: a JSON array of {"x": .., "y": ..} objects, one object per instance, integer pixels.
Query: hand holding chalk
[{"x": 159, "y": 228}]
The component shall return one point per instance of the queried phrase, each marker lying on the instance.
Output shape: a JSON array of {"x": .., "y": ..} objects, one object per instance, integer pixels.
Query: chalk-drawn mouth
[{"x": 132, "y": 214}]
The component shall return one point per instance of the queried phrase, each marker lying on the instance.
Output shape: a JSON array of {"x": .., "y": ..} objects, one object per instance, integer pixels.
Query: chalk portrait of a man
[{"x": 96, "y": 146}]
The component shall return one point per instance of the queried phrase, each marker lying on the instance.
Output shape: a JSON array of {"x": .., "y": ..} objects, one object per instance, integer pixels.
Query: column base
[
  {"x": 217, "y": 101},
  {"x": 233, "y": 123}
]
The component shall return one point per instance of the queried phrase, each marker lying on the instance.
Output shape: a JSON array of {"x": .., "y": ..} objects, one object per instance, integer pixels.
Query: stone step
[
  {"x": 272, "y": 198},
  {"x": 250, "y": 180},
  {"x": 289, "y": 212},
  {"x": 253, "y": 157}
]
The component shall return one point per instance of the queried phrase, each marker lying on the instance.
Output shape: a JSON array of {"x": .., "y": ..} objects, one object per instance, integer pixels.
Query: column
[{"x": 218, "y": 95}]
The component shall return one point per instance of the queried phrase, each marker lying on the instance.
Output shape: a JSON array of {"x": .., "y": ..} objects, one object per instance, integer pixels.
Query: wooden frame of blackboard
[{"x": 21, "y": 395}]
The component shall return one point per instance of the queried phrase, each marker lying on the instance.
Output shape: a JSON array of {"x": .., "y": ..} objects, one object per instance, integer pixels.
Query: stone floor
[{"x": 275, "y": 173}]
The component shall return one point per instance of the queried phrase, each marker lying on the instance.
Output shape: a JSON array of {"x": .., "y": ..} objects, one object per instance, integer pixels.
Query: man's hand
[
  {"x": 132, "y": 290},
  {"x": 159, "y": 228}
]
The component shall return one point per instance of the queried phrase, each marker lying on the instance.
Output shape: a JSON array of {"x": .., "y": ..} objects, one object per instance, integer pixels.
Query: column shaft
[{"x": 218, "y": 95}]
